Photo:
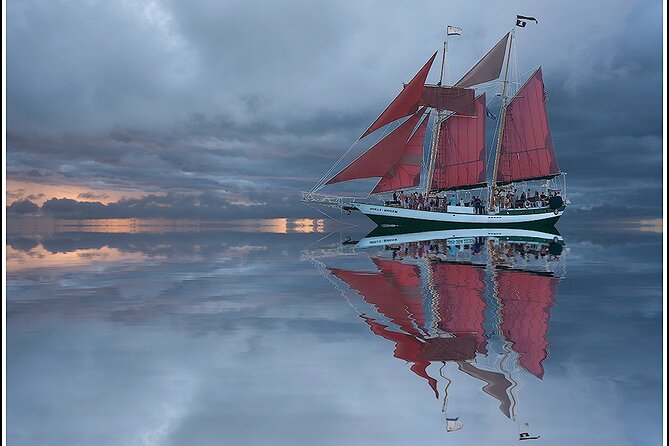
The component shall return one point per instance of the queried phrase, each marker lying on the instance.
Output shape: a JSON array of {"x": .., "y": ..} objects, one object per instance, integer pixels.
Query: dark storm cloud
[
  {"x": 171, "y": 205},
  {"x": 22, "y": 207},
  {"x": 240, "y": 101}
]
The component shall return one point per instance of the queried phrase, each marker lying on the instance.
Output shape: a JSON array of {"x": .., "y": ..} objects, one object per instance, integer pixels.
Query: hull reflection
[{"x": 480, "y": 299}]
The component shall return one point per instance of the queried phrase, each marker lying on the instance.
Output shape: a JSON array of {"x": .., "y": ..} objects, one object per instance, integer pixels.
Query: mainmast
[
  {"x": 433, "y": 151},
  {"x": 502, "y": 116}
]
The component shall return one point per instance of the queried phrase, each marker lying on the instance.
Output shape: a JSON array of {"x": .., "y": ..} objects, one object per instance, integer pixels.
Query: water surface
[{"x": 272, "y": 334}]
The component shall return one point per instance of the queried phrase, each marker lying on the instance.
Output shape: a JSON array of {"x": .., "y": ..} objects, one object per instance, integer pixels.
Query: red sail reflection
[
  {"x": 395, "y": 292},
  {"x": 526, "y": 300},
  {"x": 383, "y": 292},
  {"x": 461, "y": 300},
  {"x": 437, "y": 312}
]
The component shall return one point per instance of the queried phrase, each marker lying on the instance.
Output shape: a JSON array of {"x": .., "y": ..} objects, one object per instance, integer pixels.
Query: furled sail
[
  {"x": 488, "y": 68},
  {"x": 406, "y": 103},
  {"x": 405, "y": 172},
  {"x": 381, "y": 157},
  {"x": 460, "y": 293},
  {"x": 460, "y": 159},
  {"x": 526, "y": 300},
  {"x": 456, "y": 99},
  {"x": 526, "y": 151}
]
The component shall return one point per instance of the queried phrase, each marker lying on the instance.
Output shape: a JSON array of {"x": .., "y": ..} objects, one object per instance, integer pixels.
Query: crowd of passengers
[{"x": 511, "y": 200}]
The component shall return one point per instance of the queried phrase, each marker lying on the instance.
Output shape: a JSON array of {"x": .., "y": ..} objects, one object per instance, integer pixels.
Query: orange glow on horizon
[
  {"x": 654, "y": 225},
  {"x": 39, "y": 193}
]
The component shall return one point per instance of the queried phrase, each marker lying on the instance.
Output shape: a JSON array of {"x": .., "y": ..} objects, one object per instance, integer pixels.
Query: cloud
[
  {"x": 175, "y": 205},
  {"x": 92, "y": 196},
  {"x": 22, "y": 207},
  {"x": 227, "y": 99}
]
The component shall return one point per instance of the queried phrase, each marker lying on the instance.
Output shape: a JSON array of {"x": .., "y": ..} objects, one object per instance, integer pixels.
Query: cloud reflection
[{"x": 219, "y": 337}]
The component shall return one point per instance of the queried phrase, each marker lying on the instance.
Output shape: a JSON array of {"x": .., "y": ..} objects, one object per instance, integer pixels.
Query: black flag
[{"x": 521, "y": 20}]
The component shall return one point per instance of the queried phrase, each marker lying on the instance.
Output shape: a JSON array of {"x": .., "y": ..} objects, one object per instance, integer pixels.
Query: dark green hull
[
  {"x": 427, "y": 225},
  {"x": 384, "y": 231}
]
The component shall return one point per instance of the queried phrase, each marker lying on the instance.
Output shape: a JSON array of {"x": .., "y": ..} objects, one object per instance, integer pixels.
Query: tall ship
[
  {"x": 459, "y": 302},
  {"x": 428, "y": 151}
]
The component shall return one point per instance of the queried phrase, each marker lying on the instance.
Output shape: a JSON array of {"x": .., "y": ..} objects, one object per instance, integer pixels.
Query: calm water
[{"x": 272, "y": 334}]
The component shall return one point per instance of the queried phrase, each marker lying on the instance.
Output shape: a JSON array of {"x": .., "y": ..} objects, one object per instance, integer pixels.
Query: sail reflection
[{"x": 478, "y": 298}]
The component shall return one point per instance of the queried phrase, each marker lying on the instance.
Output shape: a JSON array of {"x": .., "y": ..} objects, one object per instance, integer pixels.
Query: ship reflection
[{"x": 480, "y": 299}]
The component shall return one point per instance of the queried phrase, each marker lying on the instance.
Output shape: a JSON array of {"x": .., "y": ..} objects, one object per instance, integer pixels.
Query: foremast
[
  {"x": 437, "y": 124},
  {"x": 457, "y": 159}
]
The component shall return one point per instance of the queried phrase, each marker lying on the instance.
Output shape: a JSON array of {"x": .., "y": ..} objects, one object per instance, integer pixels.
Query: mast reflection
[{"x": 480, "y": 299}]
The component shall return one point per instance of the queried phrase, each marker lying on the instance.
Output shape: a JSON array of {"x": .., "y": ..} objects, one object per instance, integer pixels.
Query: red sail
[
  {"x": 405, "y": 173},
  {"x": 406, "y": 102},
  {"x": 460, "y": 291},
  {"x": 526, "y": 300},
  {"x": 381, "y": 157},
  {"x": 455, "y": 99},
  {"x": 527, "y": 151},
  {"x": 460, "y": 160},
  {"x": 488, "y": 68}
]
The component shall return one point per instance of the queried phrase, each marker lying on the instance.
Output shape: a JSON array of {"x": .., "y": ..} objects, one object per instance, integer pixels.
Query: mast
[
  {"x": 443, "y": 59},
  {"x": 502, "y": 116},
  {"x": 433, "y": 152},
  {"x": 437, "y": 124}
]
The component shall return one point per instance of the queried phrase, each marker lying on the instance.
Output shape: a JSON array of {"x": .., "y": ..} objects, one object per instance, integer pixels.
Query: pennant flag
[
  {"x": 453, "y": 30},
  {"x": 489, "y": 114},
  {"x": 521, "y": 20}
]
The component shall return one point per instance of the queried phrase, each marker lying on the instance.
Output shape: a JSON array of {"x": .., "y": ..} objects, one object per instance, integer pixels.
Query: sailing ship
[
  {"x": 481, "y": 303},
  {"x": 437, "y": 152}
]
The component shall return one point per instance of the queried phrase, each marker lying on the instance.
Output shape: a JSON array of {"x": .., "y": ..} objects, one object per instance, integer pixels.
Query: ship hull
[{"x": 428, "y": 220}]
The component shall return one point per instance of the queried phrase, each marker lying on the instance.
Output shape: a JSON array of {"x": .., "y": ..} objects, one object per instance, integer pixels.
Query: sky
[{"x": 228, "y": 109}]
